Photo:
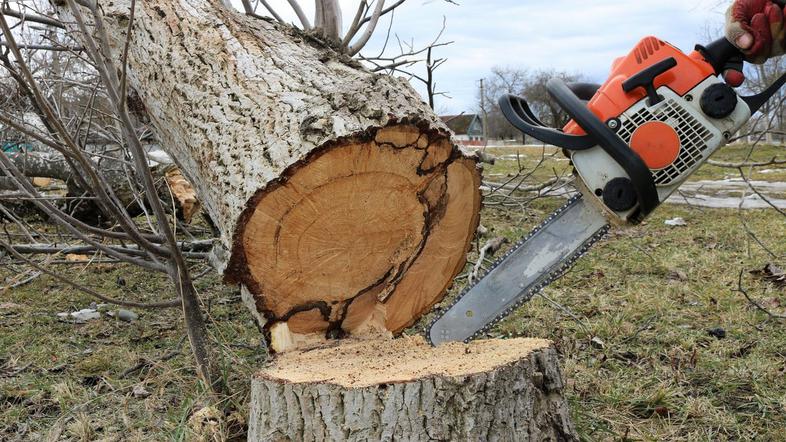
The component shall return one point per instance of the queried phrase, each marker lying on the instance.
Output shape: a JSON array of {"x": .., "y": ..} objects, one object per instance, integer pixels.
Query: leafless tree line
[{"x": 530, "y": 84}]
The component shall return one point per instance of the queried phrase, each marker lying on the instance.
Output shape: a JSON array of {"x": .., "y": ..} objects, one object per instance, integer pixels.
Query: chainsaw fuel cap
[{"x": 656, "y": 143}]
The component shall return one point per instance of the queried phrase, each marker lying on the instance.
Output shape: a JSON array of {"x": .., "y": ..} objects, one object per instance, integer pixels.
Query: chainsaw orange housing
[{"x": 611, "y": 100}]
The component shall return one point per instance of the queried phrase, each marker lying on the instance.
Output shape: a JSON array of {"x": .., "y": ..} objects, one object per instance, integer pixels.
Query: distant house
[{"x": 467, "y": 127}]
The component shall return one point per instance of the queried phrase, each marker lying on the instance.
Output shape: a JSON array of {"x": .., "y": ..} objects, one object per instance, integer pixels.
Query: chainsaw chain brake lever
[{"x": 520, "y": 115}]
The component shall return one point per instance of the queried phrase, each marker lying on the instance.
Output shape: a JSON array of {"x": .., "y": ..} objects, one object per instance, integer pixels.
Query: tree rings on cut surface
[{"x": 361, "y": 237}]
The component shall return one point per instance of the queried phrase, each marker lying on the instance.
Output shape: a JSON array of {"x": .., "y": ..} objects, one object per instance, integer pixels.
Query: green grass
[
  {"x": 649, "y": 293},
  {"x": 70, "y": 381}
]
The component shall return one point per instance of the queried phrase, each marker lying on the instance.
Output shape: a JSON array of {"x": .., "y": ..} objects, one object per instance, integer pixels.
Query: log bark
[
  {"x": 404, "y": 390},
  {"x": 342, "y": 204}
]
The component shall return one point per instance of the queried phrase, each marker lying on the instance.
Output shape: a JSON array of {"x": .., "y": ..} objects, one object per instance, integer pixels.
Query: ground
[{"x": 637, "y": 322}]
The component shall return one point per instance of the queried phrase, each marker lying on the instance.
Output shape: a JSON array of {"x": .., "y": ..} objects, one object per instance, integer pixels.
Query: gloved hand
[{"x": 757, "y": 28}]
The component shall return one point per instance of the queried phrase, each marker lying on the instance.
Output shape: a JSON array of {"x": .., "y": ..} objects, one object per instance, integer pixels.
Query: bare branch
[
  {"x": 489, "y": 249},
  {"x": 32, "y": 47},
  {"x": 370, "y": 27},
  {"x": 772, "y": 162},
  {"x": 758, "y": 306},
  {"x": 355, "y": 26},
  {"x": 89, "y": 291},
  {"x": 196, "y": 249},
  {"x": 24, "y": 16},
  {"x": 383, "y": 12},
  {"x": 328, "y": 19},
  {"x": 250, "y": 10},
  {"x": 300, "y": 14},
  {"x": 759, "y": 194},
  {"x": 124, "y": 57}
]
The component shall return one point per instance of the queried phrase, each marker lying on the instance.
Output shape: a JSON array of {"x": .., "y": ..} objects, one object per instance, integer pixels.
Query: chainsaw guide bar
[{"x": 543, "y": 256}]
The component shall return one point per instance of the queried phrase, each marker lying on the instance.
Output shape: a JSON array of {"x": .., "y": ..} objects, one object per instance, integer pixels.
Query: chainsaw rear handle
[{"x": 722, "y": 55}]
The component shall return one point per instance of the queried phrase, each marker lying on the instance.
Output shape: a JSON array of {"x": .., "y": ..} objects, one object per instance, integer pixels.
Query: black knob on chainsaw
[
  {"x": 718, "y": 101},
  {"x": 619, "y": 195}
]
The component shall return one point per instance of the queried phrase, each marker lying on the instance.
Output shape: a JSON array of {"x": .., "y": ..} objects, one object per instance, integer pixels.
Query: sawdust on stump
[{"x": 358, "y": 364}]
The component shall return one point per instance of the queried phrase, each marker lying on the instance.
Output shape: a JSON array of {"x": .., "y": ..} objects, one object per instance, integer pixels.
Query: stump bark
[
  {"x": 404, "y": 390},
  {"x": 342, "y": 204}
]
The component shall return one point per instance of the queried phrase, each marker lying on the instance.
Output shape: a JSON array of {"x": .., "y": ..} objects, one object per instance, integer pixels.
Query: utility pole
[{"x": 483, "y": 110}]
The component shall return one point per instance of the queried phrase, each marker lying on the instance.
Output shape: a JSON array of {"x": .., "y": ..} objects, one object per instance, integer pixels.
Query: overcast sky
[{"x": 578, "y": 36}]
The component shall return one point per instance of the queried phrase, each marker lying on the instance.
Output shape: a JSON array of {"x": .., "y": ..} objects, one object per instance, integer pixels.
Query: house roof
[{"x": 459, "y": 124}]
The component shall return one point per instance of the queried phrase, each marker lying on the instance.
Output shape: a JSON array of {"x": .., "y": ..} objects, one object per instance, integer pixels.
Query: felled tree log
[
  {"x": 342, "y": 205},
  {"x": 403, "y": 390},
  {"x": 172, "y": 187}
]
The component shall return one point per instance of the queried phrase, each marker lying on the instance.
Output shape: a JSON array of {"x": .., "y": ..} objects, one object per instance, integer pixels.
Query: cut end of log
[
  {"x": 506, "y": 390},
  {"x": 362, "y": 237}
]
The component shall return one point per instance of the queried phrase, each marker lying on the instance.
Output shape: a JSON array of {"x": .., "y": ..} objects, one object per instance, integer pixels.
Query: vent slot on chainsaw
[{"x": 693, "y": 137}]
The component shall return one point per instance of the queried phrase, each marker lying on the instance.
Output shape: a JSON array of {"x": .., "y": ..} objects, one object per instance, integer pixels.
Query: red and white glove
[{"x": 757, "y": 28}]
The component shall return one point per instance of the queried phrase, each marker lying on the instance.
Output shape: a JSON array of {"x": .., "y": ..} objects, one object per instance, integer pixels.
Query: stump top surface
[{"x": 359, "y": 364}]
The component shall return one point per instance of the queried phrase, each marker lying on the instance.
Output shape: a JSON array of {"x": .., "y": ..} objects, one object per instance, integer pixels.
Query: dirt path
[{"x": 731, "y": 194}]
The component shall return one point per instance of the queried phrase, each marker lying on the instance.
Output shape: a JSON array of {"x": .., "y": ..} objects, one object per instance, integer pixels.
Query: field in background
[
  {"x": 552, "y": 161},
  {"x": 632, "y": 322}
]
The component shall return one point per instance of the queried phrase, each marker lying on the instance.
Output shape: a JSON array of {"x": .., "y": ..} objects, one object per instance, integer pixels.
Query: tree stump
[{"x": 404, "y": 390}]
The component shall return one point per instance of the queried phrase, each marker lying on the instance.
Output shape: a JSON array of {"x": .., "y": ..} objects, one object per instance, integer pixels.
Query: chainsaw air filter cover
[{"x": 693, "y": 138}]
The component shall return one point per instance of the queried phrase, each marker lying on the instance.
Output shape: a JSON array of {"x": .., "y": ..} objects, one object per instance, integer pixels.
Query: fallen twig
[
  {"x": 744, "y": 292},
  {"x": 22, "y": 282},
  {"x": 146, "y": 362},
  {"x": 490, "y": 248},
  {"x": 566, "y": 311}
]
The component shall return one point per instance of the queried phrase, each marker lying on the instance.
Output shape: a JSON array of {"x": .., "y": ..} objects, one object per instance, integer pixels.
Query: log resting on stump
[
  {"x": 497, "y": 390},
  {"x": 343, "y": 206}
]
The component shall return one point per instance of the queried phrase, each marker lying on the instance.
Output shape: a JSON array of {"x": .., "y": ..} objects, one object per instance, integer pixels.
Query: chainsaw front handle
[{"x": 519, "y": 114}]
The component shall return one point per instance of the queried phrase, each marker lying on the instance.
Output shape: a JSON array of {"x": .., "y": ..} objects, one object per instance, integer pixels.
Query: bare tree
[{"x": 529, "y": 84}]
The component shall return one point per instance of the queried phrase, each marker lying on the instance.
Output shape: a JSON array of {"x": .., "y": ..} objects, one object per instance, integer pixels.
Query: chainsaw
[{"x": 632, "y": 141}]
